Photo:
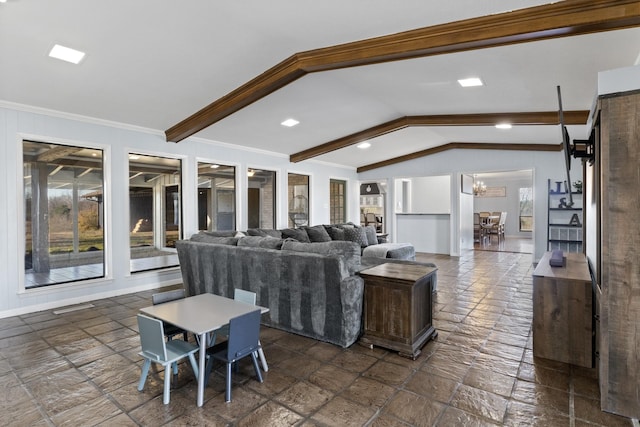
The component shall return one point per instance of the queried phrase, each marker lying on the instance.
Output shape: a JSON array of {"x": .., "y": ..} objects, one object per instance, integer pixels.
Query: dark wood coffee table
[{"x": 398, "y": 307}]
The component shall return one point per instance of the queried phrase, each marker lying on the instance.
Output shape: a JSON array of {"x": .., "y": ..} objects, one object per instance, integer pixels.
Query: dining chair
[
  {"x": 498, "y": 227},
  {"x": 243, "y": 341},
  {"x": 249, "y": 298},
  {"x": 166, "y": 353},
  {"x": 162, "y": 297},
  {"x": 477, "y": 228}
]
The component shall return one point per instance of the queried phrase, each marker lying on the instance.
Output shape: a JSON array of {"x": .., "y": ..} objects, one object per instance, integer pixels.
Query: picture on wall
[{"x": 494, "y": 192}]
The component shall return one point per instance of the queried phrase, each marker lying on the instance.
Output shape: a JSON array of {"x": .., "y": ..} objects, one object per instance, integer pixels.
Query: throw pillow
[
  {"x": 372, "y": 239},
  {"x": 298, "y": 234},
  {"x": 318, "y": 233},
  {"x": 261, "y": 242},
  {"x": 356, "y": 234},
  {"x": 336, "y": 233}
]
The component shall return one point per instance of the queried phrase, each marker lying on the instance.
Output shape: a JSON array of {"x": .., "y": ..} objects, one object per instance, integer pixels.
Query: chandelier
[{"x": 479, "y": 188}]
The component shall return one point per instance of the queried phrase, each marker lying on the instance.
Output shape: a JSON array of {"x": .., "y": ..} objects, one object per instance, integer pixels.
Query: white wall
[
  {"x": 544, "y": 164},
  {"x": 18, "y": 122},
  {"x": 430, "y": 194}
]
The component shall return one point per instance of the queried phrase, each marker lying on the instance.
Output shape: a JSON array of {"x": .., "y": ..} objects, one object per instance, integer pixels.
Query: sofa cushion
[
  {"x": 207, "y": 238},
  {"x": 356, "y": 234},
  {"x": 349, "y": 250},
  {"x": 335, "y": 233},
  {"x": 261, "y": 242},
  {"x": 318, "y": 233},
  {"x": 264, "y": 232},
  {"x": 298, "y": 234},
  {"x": 370, "y": 231}
]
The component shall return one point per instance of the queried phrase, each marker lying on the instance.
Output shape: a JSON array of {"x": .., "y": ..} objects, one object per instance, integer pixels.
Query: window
[
  {"x": 155, "y": 220},
  {"x": 216, "y": 197},
  {"x": 261, "y": 199},
  {"x": 298, "y": 194},
  {"x": 64, "y": 213},
  {"x": 337, "y": 201},
  {"x": 526, "y": 209}
]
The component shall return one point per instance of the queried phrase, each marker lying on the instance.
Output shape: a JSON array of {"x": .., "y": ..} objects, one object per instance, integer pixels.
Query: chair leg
[
  {"x": 143, "y": 375},
  {"x": 256, "y": 367},
  {"x": 167, "y": 384},
  {"x": 175, "y": 368},
  {"x": 263, "y": 360},
  {"x": 194, "y": 364},
  {"x": 207, "y": 370},
  {"x": 227, "y": 393}
]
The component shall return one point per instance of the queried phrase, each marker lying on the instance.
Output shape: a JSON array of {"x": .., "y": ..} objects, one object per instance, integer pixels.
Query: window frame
[
  {"x": 183, "y": 159},
  {"x": 21, "y": 214},
  {"x": 290, "y": 223},
  {"x": 236, "y": 184},
  {"x": 520, "y": 216},
  {"x": 345, "y": 199}
]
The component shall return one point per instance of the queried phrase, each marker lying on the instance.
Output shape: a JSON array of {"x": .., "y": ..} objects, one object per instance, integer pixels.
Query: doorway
[{"x": 509, "y": 193}]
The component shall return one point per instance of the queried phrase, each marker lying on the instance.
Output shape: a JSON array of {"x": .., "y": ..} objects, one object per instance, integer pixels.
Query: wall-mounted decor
[
  {"x": 467, "y": 184},
  {"x": 494, "y": 192}
]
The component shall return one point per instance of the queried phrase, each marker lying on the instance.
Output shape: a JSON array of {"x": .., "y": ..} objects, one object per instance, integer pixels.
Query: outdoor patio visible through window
[
  {"x": 64, "y": 214},
  {"x": 155, "y": 205}
]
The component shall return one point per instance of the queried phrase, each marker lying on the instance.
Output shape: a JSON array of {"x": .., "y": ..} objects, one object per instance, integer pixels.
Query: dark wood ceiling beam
[
  {"x": 463, "y": 146},
  {"x": 561, "y": 19},
  {"x": 489, "y": 119}
]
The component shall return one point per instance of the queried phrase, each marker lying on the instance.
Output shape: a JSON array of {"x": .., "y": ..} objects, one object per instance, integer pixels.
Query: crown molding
[{"x": 78, "y": 117}]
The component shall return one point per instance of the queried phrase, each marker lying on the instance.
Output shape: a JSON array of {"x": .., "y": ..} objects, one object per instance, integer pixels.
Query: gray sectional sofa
[{"x": 311, "y": 288}]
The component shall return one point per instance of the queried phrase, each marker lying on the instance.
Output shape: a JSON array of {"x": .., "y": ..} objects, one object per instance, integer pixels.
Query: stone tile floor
[{"x": 82, "y": 368}]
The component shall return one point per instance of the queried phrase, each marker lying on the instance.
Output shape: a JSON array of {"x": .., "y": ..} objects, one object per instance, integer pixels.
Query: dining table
[{"x": 201, "y": 315}]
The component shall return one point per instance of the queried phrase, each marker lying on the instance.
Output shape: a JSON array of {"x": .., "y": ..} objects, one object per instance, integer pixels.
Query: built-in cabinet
[
  {"x": 565, "y": 218},
  {"x": 617, "y": 199}
]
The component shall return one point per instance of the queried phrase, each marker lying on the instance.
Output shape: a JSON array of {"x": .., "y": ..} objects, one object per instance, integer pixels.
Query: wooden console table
[
  {"x": 563, "y": 311},
  {"x": 398, "y": 307}
]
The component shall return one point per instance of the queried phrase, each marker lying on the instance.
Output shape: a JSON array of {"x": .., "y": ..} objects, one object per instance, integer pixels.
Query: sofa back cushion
[
  {"x": 264, "y": 232},
  {"x": 206, "y": 237},
  {"x": 261, "y": 242},
  {"x": 348, "y": 250}
]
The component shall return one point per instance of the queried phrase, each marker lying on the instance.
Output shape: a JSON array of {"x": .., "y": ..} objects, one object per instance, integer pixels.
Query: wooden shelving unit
[{"x": 564, "y": 230}]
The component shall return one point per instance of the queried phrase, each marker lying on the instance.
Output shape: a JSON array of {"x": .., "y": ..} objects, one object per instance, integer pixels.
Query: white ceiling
[{"x": 152, "y": 63}]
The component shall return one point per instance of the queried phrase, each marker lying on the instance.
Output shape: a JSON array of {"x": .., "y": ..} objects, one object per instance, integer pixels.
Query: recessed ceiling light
[
  {"x": 133, "y": 157},
  {"x": 470, "y": 82},
  {"x": 503, "y": 126},
  {"x": 290, "y": 123},
  {"x": 66, "y": 54},
  {"x": 364, "y": 145},
  {"x": 215, "y": 166}
]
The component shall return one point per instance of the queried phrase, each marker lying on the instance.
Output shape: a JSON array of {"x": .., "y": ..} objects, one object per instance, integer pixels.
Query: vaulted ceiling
[{"x": 352, "y": 71}]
